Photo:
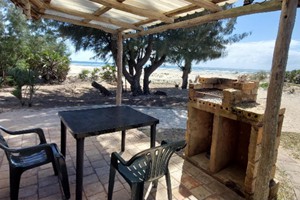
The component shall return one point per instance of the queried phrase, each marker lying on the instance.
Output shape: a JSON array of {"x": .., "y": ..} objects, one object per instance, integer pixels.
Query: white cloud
[
  {"x": 243, "y": 55},
  {"x": 255, "y": 55}
]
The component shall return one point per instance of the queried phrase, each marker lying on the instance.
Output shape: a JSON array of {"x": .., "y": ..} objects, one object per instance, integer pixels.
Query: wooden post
[
  {"x": 119, "y": 66},
  {"x": 280, "y": 56}
]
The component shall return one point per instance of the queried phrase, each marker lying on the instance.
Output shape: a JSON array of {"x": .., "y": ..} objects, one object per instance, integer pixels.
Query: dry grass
[
  {"x": 291, "y": 142},
  {"x": 286, "y": 191}
]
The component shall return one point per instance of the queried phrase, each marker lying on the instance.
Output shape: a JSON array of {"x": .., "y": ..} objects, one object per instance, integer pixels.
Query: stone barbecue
[{"x": 224, "y": 132}]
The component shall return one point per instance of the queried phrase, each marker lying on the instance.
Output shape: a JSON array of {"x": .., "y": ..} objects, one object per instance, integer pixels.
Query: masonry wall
[{"x": 224, "y": 139}]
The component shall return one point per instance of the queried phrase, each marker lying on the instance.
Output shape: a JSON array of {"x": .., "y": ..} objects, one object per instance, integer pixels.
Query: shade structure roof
[{"x": 135, "y": 17}]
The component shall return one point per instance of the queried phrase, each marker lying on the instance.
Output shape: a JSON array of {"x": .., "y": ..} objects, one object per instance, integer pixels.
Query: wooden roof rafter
[
  {"x": 266, "y": 6},
  {"x": 101, "y": 11},
  {"x": 93, "y": 17},
  {"x": 42, "y": 6},
  {"x": 206, "y": 4},
  {"x": 79, "y": 23},
  {"x": 172, "y": 13},
  {"x": 181, "y": 10},
  {"x": 151, "y": 14}
]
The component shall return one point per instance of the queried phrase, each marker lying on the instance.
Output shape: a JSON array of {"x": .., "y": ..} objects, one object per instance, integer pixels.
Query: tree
[
  {"x": 137, "y": 52},
  {"x": 200, "y": 43},
  {"x": 12, "y": 29},
  {"x": 149, "y": 52},
  {"x": 29, "y": 49},
  {"x": 36, "y": 42}
]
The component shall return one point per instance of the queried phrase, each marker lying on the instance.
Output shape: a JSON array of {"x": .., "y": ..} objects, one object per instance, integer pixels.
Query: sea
[{"x": 197, "y": 68}]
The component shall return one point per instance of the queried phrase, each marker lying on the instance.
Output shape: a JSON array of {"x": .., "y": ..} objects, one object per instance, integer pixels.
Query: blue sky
[
  {"x": 256, "y": 51},
  {"x": 253, "y": 52}
]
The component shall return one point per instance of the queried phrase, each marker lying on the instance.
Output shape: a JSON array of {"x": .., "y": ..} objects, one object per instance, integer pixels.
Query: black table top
[{"x": 89, "y": 122}]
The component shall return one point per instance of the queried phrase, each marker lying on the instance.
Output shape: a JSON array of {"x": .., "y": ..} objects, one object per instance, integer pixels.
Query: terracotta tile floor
[{"x": 188, "y": 182}]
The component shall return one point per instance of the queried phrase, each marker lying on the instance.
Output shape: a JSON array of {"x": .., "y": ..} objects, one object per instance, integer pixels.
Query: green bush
[
  {"x": 9, "y": 80},
  {"x": 259, "y": 76},
  {"x": 108, "y": 74},
  {"x": 1, "y": 81},
  {"x": 36, "y": 44},
  {"x": 51, "y": 66},
  {"x": 264, "y": 85},
  {"x": 84, "y": 74},
  {"x": 95, "y": 74},
  {"x": 19, "y": 75},
  {"x": 62, "y": 72},
  {"x": 22, "y": 76},
  {"x": 292, "y": 76}
]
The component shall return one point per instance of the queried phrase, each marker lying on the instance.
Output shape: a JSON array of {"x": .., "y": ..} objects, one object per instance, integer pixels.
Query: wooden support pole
[
  {"x": 119, "y": 71},
  {"x": 280, "y": 56}
]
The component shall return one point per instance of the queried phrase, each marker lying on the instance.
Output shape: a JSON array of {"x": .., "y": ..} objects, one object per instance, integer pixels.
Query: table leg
[
  {"x": 123, "y": 141},
  {"x": 79, "y": 167},
  {"x": 153, "y": 135},
  {"x": 63, "y": 138}
]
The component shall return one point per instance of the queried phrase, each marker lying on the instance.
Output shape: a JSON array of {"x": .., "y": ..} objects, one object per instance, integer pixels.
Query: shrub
[
  {"x": 1, "y": 81},
  {"x": 293, "y": 76},
  {"x": 108, "y": 74},
  {"x": 264, "y": 85},
  {"x": 259, "y": 76},
  {"x": 23, "y": 76},
  {"x": 296, "y": 79},
  {"x": 95, "y": 74},
  {"x": 51, "y": 66},
  {"x": 84, "y": 74}
]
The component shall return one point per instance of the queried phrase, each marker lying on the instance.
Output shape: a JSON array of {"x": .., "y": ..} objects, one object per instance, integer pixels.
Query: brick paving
[{"x": 188, "y": 182}]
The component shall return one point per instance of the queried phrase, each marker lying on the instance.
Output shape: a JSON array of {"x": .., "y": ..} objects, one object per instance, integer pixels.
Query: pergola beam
[
  {"x": 206, "y": 4},
  {"x": 267, "y": 6},
  {"x": 97, "y": 13},
  {"x": 101, "y": 11},
  {"x": 172, "y": 13},
  {"x": 38, "y": 3},
  {"x": 79, "y": 23},
  {"x": 151, "y": 14},
  {"x": 92, "y": 17}
]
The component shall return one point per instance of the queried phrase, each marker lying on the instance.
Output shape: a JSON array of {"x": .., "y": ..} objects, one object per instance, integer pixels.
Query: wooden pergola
[{"x": 134, "y": 18}]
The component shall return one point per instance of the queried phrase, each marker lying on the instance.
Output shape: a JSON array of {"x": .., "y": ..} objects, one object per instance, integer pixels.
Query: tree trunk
[
  {"x": 185, "y": 73},
  {"x": 280, "y": 56},
  {"x": 146, "y": 83},
  {"x": 18, "y": 93},
  {"x": 133, "y": 75},
  {"x": 149, "y": 70},
  {"x": 135, "y": 85},
  {"x": 3, "y": 74},
  {"x": 135, "y": 67},
  {"x": 31, "y": 92}
]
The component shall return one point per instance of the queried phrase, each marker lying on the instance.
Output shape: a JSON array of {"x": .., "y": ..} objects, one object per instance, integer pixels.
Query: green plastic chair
[
  {"x": 22, "y": 159},
  {"x": 148, "y": 165}
]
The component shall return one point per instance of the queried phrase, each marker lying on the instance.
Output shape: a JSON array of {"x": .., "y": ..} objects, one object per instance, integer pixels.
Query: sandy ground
[{"x": 77, "y": 93}]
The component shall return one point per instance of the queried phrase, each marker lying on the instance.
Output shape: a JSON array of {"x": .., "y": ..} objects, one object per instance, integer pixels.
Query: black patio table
[{"x": 91, "y": 122}]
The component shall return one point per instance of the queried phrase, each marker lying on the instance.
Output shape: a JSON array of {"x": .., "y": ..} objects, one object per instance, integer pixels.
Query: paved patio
[{"x": 188, "y": 182}]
